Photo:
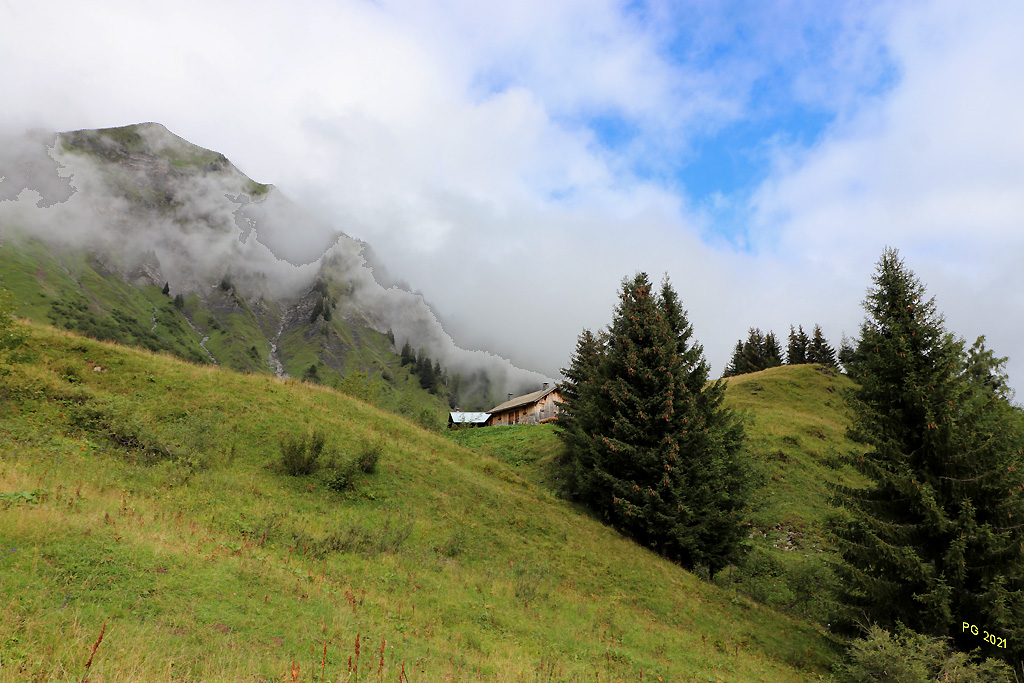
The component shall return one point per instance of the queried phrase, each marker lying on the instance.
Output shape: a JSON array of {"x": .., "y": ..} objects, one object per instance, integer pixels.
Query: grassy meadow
[{"x": 142, "y": 499}]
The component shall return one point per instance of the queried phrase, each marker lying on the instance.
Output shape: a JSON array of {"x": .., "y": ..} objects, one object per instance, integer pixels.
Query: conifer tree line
[
  {"x": 432, "y": 376},
  {"x": 761, "y": 351},
  {"x": 936, "y": 537},
  {"x": 650, "y": 446}
]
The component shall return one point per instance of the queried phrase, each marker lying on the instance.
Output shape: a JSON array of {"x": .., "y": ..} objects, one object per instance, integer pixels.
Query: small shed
[
  {"x": 459, "y": 419},
  {"x": 535, "y": 408}
]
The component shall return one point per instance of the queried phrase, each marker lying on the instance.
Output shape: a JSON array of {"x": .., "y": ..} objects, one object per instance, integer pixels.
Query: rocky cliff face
[{"x": 152, "y": 208}]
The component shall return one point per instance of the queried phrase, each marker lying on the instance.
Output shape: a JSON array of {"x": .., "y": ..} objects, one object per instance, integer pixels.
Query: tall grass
[{"x": 447, "y": 563}]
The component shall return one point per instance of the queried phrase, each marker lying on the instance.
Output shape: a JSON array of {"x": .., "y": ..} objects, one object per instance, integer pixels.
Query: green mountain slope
[
  {"x": 796, "y": 435},
  {"x": 81, "y": 292},
  {"x": 151, "y": 187},
  {"x": 142, "y": 492},
  {"x": 135, "y": 211}
]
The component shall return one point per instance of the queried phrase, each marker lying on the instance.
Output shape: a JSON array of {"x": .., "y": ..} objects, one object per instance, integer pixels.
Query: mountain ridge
[{"x": 149, "y": 208}]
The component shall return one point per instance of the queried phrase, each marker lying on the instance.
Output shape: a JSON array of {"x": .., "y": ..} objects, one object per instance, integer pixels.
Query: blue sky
[{"x": 514, "y": 161}]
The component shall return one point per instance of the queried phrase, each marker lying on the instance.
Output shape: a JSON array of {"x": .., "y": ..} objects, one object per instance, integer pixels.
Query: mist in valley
[{"x": 200, "y": 222}]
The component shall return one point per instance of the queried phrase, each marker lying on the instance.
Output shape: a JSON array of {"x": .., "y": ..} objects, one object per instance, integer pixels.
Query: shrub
[
  {"x": 909, "y": 657},
  {"x": 12, "y": 336},
  {"x": 69, "y": 373},
  {"x": 311, "y": 374},
  {"x": 116, "y": 419},
  {"x": 370, "y": 540},
  {"x": 455, "y": 544},
  {"x": 430, "y": 420},
  {"x": 300, "y": 454},
  {"x": 339, "y": 474},
  {"x": 526, "y": 580},
  {"x": 370, "y": 456}
]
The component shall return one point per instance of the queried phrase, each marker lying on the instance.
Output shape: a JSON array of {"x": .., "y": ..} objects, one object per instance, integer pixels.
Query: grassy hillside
[
  {"x": 146, "y": 496},
  {"x": 796, "y": 436},
  {"x": 85, "y": 293},
  {"x": 796, "y": 439}
]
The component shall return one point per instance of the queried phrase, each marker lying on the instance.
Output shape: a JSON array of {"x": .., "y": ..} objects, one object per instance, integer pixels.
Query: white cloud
[
  {"x": 934, "y": 167},
  {"x": 450, "y": 135}
]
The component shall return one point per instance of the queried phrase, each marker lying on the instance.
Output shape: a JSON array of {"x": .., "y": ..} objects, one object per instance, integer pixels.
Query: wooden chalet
[{"x": 532, "y": 408}]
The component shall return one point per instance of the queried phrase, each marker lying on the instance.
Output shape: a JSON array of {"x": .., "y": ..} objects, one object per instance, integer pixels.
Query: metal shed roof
[{"x": 467, "y": 418}]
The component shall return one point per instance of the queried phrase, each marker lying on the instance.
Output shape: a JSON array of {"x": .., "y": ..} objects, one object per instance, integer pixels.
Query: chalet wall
[{"x": 531, "y": 413}]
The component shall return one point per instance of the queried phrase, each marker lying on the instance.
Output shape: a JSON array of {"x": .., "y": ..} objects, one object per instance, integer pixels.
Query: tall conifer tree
[
  {"x": 652, "y": 448},
  {"x": 936, "y": 538},
  {"x": 772, "y": 352},
  {"x": 796, "y": 350},
  {"x": 753, "y": 357},
  {"x": 819, "y": 350},
  {"x": 579, "y": 411},
  {"x": 715, "y": 482},
  {"x": 408, "y": 356},
  {"x": 736, "y": 363}
]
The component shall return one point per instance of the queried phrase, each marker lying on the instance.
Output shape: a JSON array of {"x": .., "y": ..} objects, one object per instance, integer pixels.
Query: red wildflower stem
[{"x": 92, "y": 654}]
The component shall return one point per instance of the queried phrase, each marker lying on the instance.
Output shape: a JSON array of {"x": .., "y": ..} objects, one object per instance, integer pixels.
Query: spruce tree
[
  {"x": 651, "y": 447},
  {"x": 753, "y": 357},
  {"x": 935, "y": 539},
  {"x": 318, "y": 309},
  {"x": 438, "y": 378},
  {"x": 425, "y": 370},
  {"x": 736, "y": 362},
  {"x": 848, "y": 355},
  {"x": 819, "y": 350},
  {"x": 772, "y": 352},
  {"x": 796, "y": 350},
  {"x": 579, "y": 411},
  {"x": 988, "y": 370},
  {"x": 408, "y": 356},
  {"x": 715, "y": 483}
]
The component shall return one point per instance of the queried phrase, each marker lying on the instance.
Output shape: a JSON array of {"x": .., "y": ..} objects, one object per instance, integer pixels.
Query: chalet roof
[
  {"x": 469, "y": 418},
  {"x": 524, "y": 400}
]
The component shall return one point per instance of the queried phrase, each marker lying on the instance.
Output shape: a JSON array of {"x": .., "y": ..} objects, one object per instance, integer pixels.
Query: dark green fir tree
[
  {"x": 425, "y": 371},
  {"x": 736, "y": 366},
  {"x": 936, "y": 538},
  {"x": 579, "y": 411},
  {"x": 715, "y": 481},
  {"x": 754, "y": 357},
  {"x": 819, "y": 350},
  {"x": 772, "y": 352},
  {"x": 796, "y": 350},
  {"x": 848, "y": 355},
  {"x": 438, "y": 378},
  {"x": 651, "y": 447},
  {"x": 408, "y": 355}
]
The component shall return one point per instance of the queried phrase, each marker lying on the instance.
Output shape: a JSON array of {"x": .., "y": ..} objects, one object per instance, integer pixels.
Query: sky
[{"x": 513, "y": 162}]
